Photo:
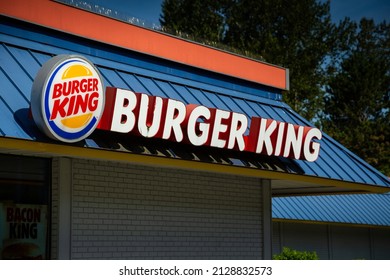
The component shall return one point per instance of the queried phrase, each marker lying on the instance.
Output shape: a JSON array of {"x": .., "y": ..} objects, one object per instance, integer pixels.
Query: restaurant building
[{"x": 121, "y": 142}]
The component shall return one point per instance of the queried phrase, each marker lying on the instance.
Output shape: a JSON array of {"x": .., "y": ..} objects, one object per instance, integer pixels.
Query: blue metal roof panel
[
  {"x": 363, "y": 209},
  {"x": 20, "y": 60}
]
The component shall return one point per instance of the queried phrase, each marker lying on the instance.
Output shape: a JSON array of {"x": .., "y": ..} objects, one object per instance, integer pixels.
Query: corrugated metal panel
[
  {"x": 306, "y": 237},
  {"x": 20, "y": 60},
  {"x": 365, "y": 209},
  {"x": 380, "y": 243},
  {"x": 357, "y": 240},
  {"x": 333, "y": 241},
  {"x": 276, "y": 238}
]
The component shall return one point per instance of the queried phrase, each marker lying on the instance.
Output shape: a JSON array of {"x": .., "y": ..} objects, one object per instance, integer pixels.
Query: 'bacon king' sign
[{"x": 73, "y": 104}]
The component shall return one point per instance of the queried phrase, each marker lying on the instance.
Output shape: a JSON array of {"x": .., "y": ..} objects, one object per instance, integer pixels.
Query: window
[{"x": 24, "y": 207}]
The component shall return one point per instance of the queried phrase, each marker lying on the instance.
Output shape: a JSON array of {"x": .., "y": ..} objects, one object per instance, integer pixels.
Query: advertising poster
[{"x": 23, "y": 231}]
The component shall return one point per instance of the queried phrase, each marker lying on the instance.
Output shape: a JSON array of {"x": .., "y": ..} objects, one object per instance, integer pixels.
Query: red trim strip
[{"x": 82, "y": 23}]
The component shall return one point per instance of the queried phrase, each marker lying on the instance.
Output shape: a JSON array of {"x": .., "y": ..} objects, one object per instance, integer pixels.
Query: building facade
[{"x": 115, "y": 195}]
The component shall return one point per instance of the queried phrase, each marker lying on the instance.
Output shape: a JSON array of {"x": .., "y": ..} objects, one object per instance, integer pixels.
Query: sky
[
  {"x": 378, "y": 10},
  {"x": 150, "y": 10}
]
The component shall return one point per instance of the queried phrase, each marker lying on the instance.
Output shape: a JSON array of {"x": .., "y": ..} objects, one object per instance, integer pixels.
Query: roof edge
[
  {"x": 315, "y": 222},
  {"x": 350, "y": 154},
  {"x": 115, "y": 32}
]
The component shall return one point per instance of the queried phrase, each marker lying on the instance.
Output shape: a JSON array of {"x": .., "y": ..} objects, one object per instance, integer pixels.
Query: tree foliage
[
  {"x": 291, "y": 254},
  {"x": 293, "y": 34},
  {"x": 358, "y": 93},
  {"x": 200, "y": 19}
]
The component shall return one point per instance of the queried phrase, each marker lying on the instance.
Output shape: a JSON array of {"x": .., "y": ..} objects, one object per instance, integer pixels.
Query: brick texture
[
  {"x": 127, "y": 211},
  {"x": 54, "y": 210}
]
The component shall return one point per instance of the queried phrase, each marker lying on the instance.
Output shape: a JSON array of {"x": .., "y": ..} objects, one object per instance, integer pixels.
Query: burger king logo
[{"x": 67, "y": 98}]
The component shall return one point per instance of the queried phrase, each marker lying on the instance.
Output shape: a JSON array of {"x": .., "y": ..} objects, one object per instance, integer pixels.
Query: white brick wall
[
  {"x": 54, "y": 210},
  {"x": 126, "y": 211}
]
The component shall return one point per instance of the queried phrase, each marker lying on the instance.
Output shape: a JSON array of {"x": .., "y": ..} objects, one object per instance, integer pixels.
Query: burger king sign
[
  {"x": 67, "y": 98},
  {"x": 68, "y": 102}
]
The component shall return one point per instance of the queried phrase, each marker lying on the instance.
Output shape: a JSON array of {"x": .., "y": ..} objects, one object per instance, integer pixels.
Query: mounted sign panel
[
  {"x": 169, "y": 119},
  {"x": 68, "y": 103},
  {"x": 67, "y": 98}
]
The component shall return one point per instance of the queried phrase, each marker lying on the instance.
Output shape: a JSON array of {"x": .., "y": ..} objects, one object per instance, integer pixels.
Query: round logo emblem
[{"x": 67, "y": 98}]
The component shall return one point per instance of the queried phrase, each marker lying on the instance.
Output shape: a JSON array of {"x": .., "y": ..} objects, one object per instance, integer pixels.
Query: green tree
[
  {"x": 357, "y": 100},
  {"x": 294, "y": 34},
  {"x": 291, "y": 254},
  {"x": 201, "y": 19}
]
